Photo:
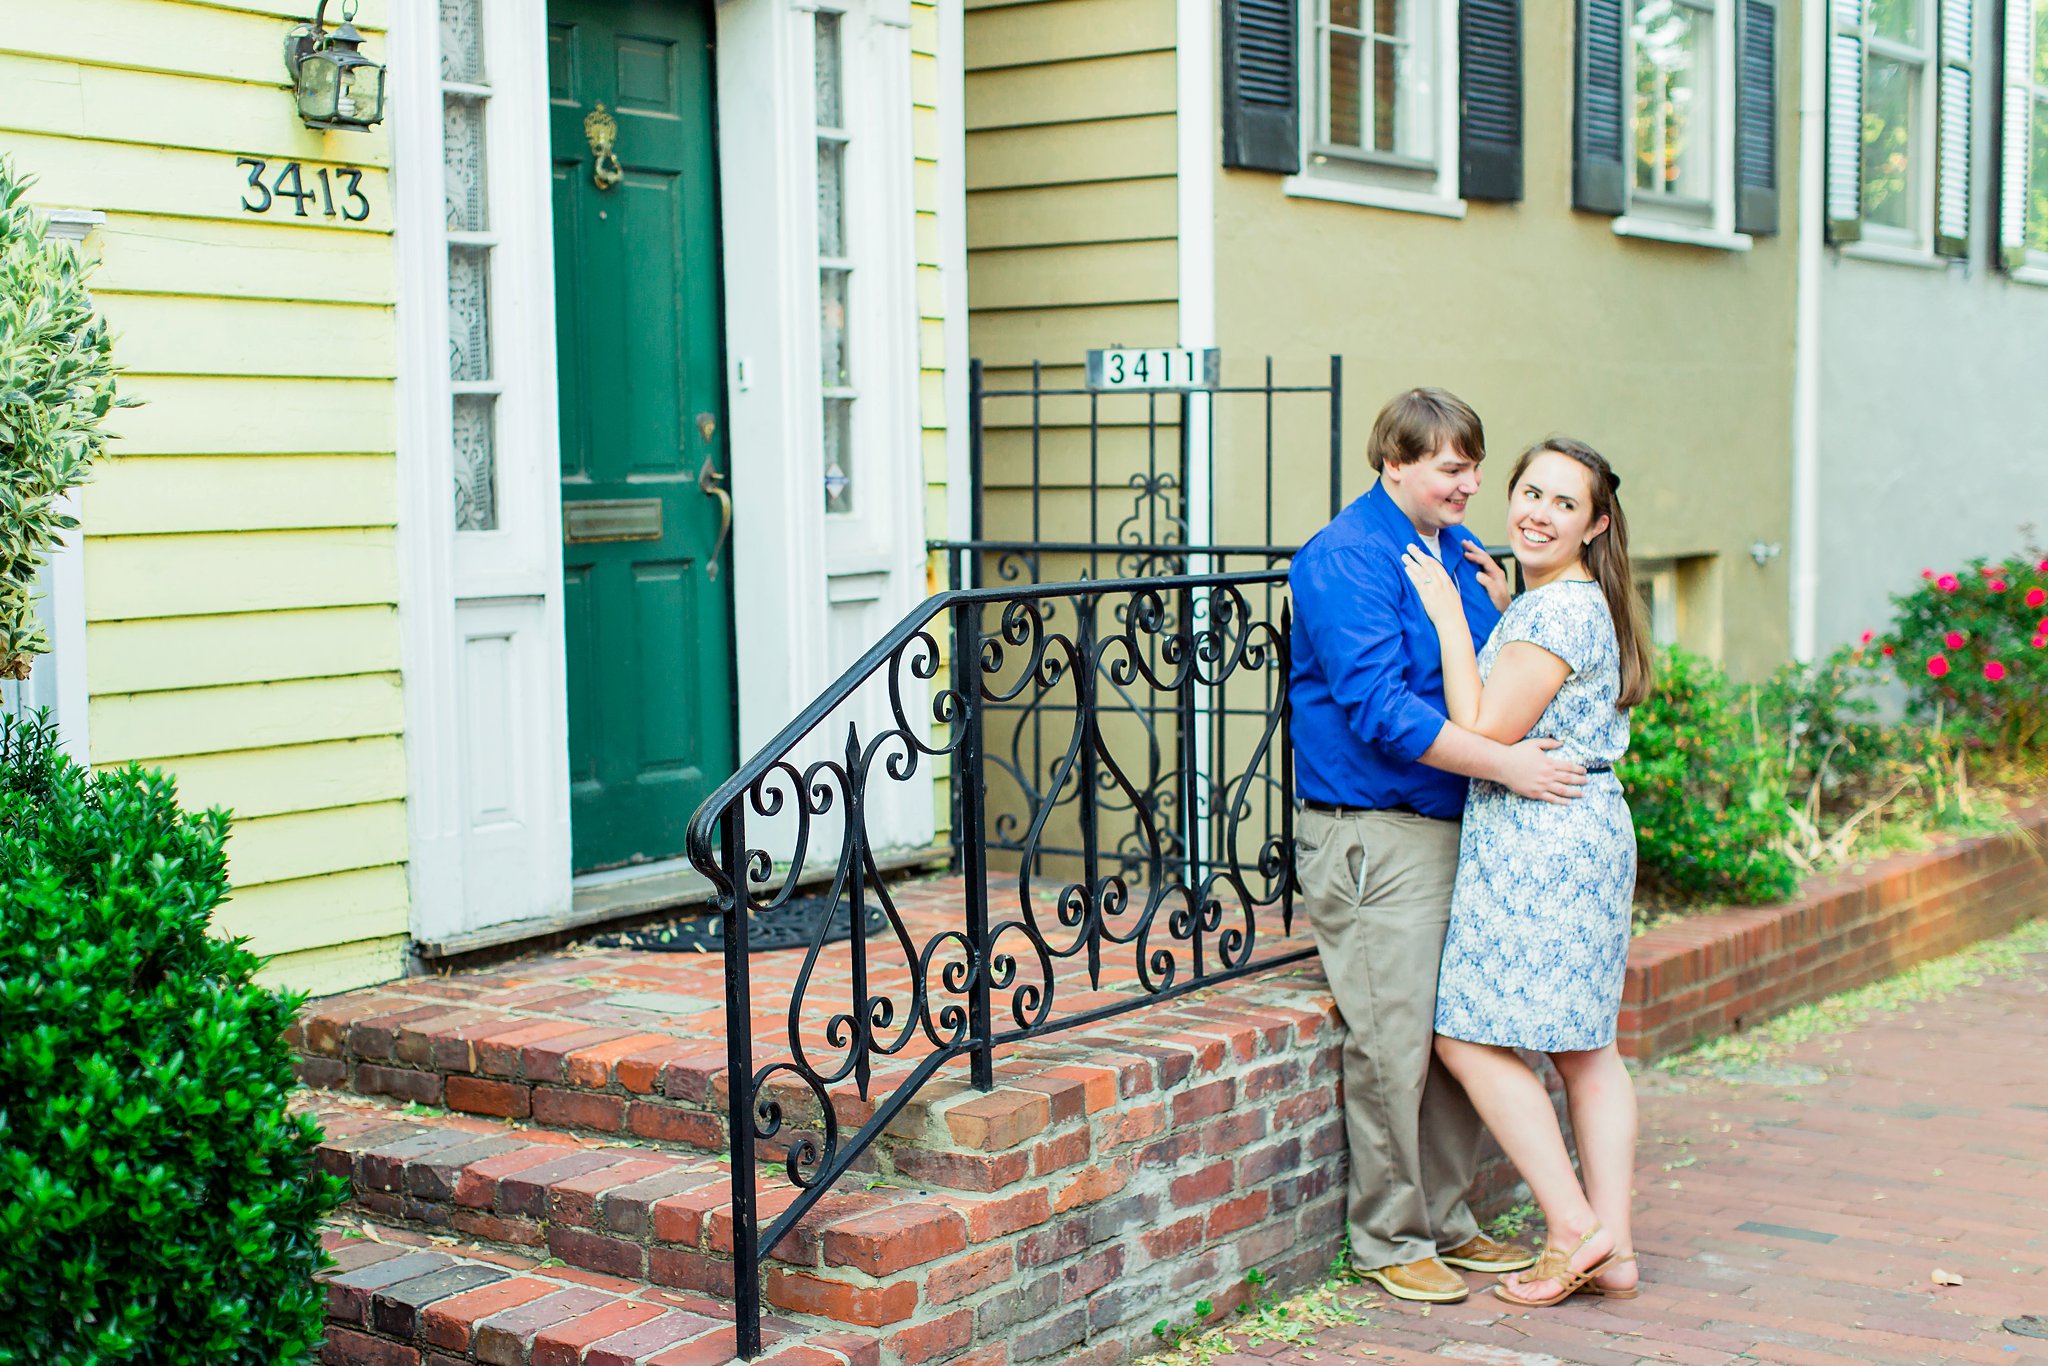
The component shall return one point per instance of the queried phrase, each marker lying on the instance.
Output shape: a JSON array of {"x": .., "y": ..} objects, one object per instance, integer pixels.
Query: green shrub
[
  {"x": 1971, "y": 648},
  {"x": 1707, "y": 788},
  {"x": 160, "y": 1202},
  {"x": 56, "y": 388}
]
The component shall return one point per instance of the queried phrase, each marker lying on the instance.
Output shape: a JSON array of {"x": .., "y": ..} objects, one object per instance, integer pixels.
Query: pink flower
[
  {"x": 1927, "y": 573},
  {"x": 1947, "y": 583},
  {"x": 2042, "y": 568},
  {"x": 1994, "y": 671},
  {"x": 2041, "y": 642},
  {"x": 2042, "y": 626},
  {"x": 1997, "y": 585},
  {"x": 2037, "y": 597},
  {"x": 1987, "y": 570},
  {"x": 1936, "y": 667},
  {"x": 1887, "y": 652},
  {"x": 1867, "y": 637},
  {"x": 1954, "y": 640}
]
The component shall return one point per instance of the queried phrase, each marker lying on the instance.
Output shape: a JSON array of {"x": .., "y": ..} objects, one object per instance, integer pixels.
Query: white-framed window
[
  {"x": 835, "y": 264},
  {"x": 1380, "y": 86},
  {"x": 1680, "y": 86},
  {"x": 2034, "y": 88},
  {"x": 1898, "y": 122},
  {"x": 473, "y": 383}
]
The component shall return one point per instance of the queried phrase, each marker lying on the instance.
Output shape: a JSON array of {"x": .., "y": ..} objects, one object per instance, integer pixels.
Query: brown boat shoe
[
  {"x": 1428, "y": 1280},
  {"x": 1481, "y": 1253}
]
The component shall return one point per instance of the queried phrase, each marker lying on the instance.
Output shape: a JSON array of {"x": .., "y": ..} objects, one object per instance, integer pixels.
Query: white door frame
[{"x": 490, "y": 831}]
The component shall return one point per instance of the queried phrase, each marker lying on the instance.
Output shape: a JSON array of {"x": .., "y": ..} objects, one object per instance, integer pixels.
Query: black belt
[{"x": 1332, "y": 809}]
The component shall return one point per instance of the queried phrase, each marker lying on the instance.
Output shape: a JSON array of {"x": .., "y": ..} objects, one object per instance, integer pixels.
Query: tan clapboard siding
[
  {"x": 1109, "y": 211},
  {"x": 1065, "y": 30},
  {"x": 242, "y": 493},
  {"x": 1072, "y": 153},
  {"x": 1016, "y": 336},
  {"x": 251, "y": 259},
  {"x": 1110, "y": 272},
  {"x": 127, "y": 178},
  {"x": 294, "y": 778},
  {"x": 249, "y": 337},
  {"x": 66, "y": 99},
  {"x": 290, "y": 917},
  {"x": 130, "y": 577},
  {"x": 1068, "y": 92},
  {"x": 191, "y": 414},
  {"x": 170, "y": 653},
  {"x": 156, "y": 726}
]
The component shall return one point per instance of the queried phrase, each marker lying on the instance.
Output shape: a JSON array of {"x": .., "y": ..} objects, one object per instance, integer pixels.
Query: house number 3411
[{"x": 337, "y": 191}]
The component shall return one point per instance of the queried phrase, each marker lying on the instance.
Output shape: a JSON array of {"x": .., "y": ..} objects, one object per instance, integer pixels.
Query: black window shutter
[
  {"x": 1261, "y": 87},
  {"x": 1599, "y": 120},
  {"x": 1490, "y": 99},
  {"x": 1756, "y": 117}
]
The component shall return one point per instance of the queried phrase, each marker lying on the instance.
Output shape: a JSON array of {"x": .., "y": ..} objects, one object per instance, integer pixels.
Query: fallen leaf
[{"x": 1946, "y": 1277}]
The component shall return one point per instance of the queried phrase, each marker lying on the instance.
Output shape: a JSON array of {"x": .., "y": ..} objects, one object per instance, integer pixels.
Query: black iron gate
[{"x": 1070, "y": 483}]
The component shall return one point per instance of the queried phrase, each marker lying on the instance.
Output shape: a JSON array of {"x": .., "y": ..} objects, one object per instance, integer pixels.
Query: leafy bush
[
  {"x": 1707, "y": 788},
  {"x": 1972, "y": 649},
  {"x": 56, "y": 387},
  {"x": 160, "y": 1202}
]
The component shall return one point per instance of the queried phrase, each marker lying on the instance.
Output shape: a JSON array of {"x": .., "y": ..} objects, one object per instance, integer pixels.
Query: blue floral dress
[{"x": 1538, "y": 940}]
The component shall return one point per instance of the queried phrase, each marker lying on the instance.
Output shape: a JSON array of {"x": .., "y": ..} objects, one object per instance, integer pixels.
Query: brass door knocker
[{"x": 603, "y": 130}]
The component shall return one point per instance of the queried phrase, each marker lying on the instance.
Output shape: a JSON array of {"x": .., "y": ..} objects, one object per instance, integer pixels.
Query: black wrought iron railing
[{"x": 1142, "y": 851}]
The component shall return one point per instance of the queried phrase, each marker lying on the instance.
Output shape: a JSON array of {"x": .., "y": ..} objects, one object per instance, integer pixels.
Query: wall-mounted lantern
[{"x": 338, "y": 87}]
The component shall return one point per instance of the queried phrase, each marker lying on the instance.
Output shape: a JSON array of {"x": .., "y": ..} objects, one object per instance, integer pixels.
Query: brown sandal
[
  {"x": 1555, "y": 1265},
  {"x": 1592, "y": 1287}
]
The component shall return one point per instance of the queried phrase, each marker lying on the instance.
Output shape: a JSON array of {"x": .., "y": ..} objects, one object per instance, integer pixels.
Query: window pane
[
  {"x": 1887, "y": 142},
  {"x": 832, "y": 329},
  {"x": 831, "y": 198},
  {"x": 469, "y": 321},
  {"x": 462, "y": 41},
  {"x": 826, "y": 66},
  {"x": 462, "y": 132},
  {"x": 2040, "y": 44},
  {"x": 476, "y": 463},
  {"x": 838, "y": 455},
  {"x": 2037, "y": 184},
  {"x": 1898, "y": 20},
  {"x": 1346, "y": 90},
  {"x": 1673, "y": 106}
]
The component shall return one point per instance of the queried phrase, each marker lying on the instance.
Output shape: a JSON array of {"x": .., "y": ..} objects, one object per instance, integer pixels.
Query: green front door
[{"x": 645, "y": 555}]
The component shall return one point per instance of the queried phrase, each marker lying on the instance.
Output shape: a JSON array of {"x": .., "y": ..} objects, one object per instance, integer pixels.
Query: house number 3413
[{"x": 337, "y": 192}]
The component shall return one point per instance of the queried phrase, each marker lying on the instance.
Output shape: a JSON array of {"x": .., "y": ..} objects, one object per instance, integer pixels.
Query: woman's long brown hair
[{"x": 1607, "y": 560}]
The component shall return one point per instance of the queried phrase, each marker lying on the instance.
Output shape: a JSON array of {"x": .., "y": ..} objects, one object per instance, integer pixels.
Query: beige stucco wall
[{"x": 1675, "y": 361}]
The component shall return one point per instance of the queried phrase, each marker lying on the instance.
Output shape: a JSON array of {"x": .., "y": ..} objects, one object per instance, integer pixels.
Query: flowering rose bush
[{"x": 1972, "y": 647}]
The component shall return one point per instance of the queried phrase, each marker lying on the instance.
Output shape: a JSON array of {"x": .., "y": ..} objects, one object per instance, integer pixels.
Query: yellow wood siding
[
  {"x": 929, "y": 109},
  {"x": 240, "y": 556}
]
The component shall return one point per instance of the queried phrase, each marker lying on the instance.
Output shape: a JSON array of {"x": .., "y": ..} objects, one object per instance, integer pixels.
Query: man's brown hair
[{"x": 1420, "y": 422}]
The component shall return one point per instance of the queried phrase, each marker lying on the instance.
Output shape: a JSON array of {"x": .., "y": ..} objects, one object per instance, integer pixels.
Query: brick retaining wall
[{"x": 1714, "y": 974}]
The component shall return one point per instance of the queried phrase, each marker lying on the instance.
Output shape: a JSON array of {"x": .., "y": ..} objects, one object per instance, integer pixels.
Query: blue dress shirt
[{"x": 1367, "y": 681}]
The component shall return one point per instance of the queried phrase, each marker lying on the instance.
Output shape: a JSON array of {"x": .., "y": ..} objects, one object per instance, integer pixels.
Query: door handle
[
  {"x": 708, "y": 482},
  {"x": 601, "y": 130}
]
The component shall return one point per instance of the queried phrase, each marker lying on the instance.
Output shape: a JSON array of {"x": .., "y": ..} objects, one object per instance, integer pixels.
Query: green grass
[{"x": 1929, "y": 981}]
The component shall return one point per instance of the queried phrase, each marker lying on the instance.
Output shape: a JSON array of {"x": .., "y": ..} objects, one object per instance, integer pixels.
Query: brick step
[
  {"x": 641, "y": 1213},
  {"x": 397, "y": 1297}
]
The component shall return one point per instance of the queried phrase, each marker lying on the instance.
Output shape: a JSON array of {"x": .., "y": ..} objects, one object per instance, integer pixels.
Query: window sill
[
  {"x": 2030, "y": 274},
  {"x": 1372, "y": 196},
  {"x": 1658, "y": 230},
  {"x": 1893, "y": 254}
]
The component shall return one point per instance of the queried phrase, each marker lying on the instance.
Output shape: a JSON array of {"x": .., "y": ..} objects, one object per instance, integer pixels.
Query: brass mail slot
[{"x": 612, "y": 519}]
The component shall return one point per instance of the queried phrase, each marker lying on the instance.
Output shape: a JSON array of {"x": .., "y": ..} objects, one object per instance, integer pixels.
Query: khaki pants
[{"x": 1377, "y": 889}]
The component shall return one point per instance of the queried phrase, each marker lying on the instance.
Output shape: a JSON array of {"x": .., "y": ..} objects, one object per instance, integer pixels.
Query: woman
[{"x": 1539, "y": 929}]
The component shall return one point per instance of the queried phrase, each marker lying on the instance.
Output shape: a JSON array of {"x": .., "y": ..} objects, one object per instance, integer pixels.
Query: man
[{"x": 1380, "y": 777}]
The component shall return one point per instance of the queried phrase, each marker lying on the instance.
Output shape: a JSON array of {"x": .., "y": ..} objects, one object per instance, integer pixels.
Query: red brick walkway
[{"x": 1791, "y": 1218}]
